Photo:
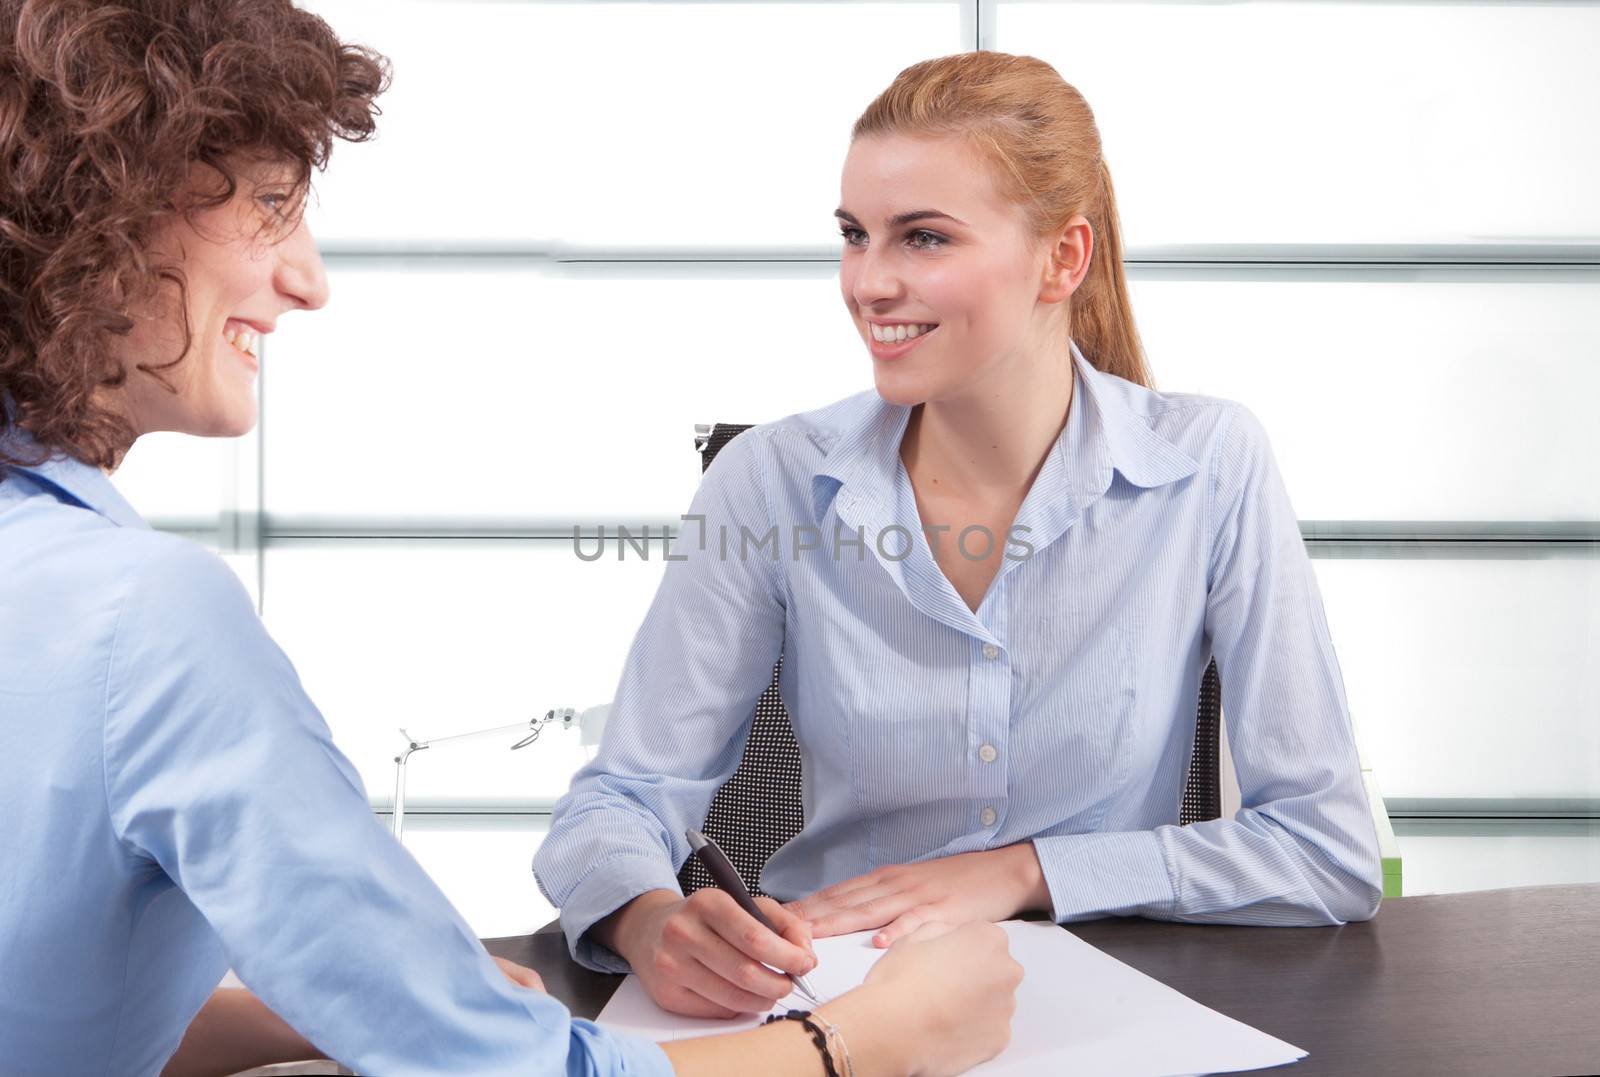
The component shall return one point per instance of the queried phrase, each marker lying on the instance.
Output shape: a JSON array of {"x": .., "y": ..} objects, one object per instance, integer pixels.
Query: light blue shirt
[
  {"x": 1156, "y": 535},
  {"x": 171, "y": 803}
]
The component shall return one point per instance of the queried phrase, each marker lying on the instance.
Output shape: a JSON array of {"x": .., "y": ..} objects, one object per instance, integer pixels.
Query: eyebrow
[{"x": 904, "y": 218}]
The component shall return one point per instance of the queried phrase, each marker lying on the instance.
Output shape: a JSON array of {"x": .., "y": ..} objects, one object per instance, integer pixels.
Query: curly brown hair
[{"x": 104, "y": 110}]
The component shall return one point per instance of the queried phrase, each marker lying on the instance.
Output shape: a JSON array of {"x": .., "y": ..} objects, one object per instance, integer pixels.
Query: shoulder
[
  {"x": 1222, "y": 435},
  {"x": 181, "y": 608},
  {"x": 192, "y": 668},
  {"x": 179, "y": 578},
  {"x": 1195, "y": 422},
  {"x": 803, "y": 439},
  {"x": 774, "y": 454},
  {"x": 76, "y": 576},
  {"x": 823, "y": 427}
]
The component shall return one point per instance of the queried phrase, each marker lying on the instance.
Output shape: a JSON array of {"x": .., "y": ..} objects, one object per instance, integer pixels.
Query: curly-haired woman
[{"x": 171, "y": 803}]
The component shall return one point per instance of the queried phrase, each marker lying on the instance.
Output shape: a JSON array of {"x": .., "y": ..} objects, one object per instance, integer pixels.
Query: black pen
[{"x": 727, "y": 879}]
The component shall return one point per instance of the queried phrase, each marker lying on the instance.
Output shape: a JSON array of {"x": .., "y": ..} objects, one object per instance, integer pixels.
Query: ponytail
[{"x": 1102, "y": 316}]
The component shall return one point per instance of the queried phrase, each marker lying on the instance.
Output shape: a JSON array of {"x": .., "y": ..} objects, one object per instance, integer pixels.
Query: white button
[
  {"x": 988, "y": 817},
  {"x": 987, "y": 753},
  {"x": 990, "y": 650}
]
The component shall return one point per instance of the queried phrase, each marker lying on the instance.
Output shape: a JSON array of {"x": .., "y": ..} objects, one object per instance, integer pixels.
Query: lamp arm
[{"x": 567, "y": 716}]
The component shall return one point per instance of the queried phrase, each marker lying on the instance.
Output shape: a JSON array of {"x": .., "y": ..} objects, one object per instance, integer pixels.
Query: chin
[
  {"x": 238, "y": 426},
  {"x": 230, "y": 422},
  {"x": 906, "y": 392}
]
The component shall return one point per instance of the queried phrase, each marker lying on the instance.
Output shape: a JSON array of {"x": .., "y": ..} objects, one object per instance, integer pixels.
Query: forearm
[
  {"x": 235, "y": 1031},
  {"x": 1306, "y": 871},
  {"x": 1247, "y": 870},
  {"x": 786, "y": 1048}
]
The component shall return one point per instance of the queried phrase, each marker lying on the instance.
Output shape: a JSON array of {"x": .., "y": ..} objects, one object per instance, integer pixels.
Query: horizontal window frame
[
  {"x": 1199, "y": 257},
  {"x": 1561, "y": 537},
  {"x": 1395, "y": 807}
]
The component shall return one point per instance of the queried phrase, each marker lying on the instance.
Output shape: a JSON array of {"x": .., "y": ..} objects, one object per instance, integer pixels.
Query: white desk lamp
[{"x": 590, "y": 723}]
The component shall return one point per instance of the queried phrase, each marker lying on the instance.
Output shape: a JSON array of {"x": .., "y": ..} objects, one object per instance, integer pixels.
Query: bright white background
[{"x": 585, "y": 227}]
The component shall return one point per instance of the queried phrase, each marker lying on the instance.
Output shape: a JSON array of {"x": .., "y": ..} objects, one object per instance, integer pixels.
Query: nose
[
  {"x": 876, "y": 278},
  {"x": 301, "y": 277}
]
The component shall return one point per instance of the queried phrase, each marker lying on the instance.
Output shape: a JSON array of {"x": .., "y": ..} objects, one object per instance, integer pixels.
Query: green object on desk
[{"x": 1388, "y": 846}]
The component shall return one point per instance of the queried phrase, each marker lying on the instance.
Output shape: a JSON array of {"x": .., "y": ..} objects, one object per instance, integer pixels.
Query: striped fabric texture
[{"x": 1157, "y": 534}]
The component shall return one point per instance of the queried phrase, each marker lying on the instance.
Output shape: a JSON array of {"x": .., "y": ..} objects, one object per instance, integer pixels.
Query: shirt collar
[
  {"x": 75, "y": 481},
  {"x": 1107, "y": 430}
]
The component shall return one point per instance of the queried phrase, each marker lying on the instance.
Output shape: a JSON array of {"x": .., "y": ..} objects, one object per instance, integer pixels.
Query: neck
[{"x": 991, "y": 442}]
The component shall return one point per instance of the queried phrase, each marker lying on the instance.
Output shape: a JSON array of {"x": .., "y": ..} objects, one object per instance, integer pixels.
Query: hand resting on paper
[{"x": 993, "y": 885}]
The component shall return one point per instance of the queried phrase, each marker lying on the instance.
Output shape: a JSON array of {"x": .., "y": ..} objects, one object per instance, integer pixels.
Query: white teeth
[
  {"x": 890, "y": 334},
  {"x": 246, "y": 340}
]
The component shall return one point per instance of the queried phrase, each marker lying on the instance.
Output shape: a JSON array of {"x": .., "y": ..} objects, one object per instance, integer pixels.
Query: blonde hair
[{"x": 1040, "y": 134}]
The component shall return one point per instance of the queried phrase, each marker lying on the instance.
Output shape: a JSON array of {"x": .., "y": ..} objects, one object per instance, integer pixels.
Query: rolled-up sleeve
[
  {"x": 220, "y": 770},
  {"x": 1302, "y": 849},
  {"x": 683, "y": 707}
]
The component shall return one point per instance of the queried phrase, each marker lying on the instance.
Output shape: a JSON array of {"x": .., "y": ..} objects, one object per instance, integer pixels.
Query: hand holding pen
[
  {"x": 704, "y": 955},
  {"x": 727, "y": 878}
]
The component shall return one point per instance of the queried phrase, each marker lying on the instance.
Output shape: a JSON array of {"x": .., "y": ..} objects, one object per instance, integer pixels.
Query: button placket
[{"x": 991, "y": 681}]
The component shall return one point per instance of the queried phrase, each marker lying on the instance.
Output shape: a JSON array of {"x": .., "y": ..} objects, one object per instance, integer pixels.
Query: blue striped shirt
[{"x": 1156, "y": 535}]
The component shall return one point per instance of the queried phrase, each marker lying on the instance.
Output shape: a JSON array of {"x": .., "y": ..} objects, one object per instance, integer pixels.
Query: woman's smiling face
[
  {"x": 938, "y": 259},
  {"x": 244, "y": 263}
]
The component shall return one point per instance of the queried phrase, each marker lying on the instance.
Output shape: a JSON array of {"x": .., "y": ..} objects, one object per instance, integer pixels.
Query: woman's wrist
[
  {"x": 1029, "y": 884},
  {"x": 619, "y": 930},
  {"x": 875, "y": 1043}
]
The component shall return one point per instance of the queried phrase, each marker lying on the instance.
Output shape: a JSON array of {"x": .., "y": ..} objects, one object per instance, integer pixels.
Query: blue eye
[{"x": 921, "y": 239}]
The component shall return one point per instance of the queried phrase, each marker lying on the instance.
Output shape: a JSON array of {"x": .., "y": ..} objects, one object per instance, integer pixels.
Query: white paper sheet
[{"x": 1079, "y": 1011}]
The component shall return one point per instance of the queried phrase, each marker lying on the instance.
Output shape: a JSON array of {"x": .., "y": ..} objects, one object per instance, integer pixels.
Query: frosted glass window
[
  {"x": 443, "y": 638},
  {"x": 1336, "y": 123},
  {"x": 532, "y": 394},
  {"x": 1449, "y": 856},
  {"x": 1425, "y": 400},
  {"x": 1471, "y": 678},
  {"x": 616, "y": 124},
  {"x": 179, "y": 480},
  {"x": 482, "y": 862}
]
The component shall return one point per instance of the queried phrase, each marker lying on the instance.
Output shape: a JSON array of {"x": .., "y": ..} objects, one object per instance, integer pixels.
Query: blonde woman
[{"x": 999, "y": 576}]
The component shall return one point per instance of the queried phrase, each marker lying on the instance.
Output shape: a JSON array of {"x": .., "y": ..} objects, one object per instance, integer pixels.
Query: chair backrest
[{"x": 759, "y": 808}]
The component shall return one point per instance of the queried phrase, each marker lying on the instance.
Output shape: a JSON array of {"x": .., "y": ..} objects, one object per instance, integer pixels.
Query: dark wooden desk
[{"x": 1498, "y": 983}]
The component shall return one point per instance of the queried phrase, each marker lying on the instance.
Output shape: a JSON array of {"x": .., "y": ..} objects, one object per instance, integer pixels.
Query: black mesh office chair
[{"x": 758, "y": 809}]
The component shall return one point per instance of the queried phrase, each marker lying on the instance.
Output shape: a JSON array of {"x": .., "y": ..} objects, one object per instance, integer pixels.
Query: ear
[{"x": 1067, "y": 261}]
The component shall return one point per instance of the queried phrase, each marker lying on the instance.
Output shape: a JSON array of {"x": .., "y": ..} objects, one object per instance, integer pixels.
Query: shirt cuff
[
  {"x": 618, "y": 1055},
  {"x": 1116, "y": 874},
  {"x": 609, "y": 885}
]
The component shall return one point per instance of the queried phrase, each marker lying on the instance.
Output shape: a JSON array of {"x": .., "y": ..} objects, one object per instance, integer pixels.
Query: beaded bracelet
[
  {"x": 818, "y": 1036},
  {"x": 834, "y": 1034}
]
